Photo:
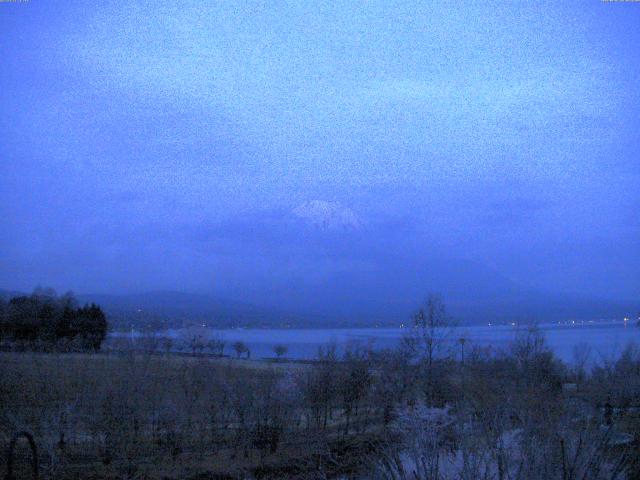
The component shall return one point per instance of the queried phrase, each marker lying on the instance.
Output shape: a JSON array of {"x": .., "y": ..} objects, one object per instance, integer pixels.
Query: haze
[{"x": 328, "y": 159}]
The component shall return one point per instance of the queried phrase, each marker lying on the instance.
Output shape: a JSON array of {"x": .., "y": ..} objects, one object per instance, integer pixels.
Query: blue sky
[{"x": 169, "y": 145}]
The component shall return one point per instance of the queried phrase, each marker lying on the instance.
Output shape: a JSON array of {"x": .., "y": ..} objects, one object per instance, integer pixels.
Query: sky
[{"x": 329, "y": 152}]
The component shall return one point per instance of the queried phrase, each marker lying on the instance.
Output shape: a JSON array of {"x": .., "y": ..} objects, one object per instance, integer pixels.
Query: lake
[{"x": 605, "y": 340}]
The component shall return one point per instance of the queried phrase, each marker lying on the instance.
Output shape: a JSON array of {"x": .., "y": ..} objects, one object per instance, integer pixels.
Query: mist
[{"x": 331, "y": 160}]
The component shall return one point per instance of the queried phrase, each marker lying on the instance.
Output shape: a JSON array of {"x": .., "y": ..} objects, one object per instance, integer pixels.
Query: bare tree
[
  {"x": 167, "y": 344},
  {"x": 195, "y": 338},
  {"x": 432, "y": 330},
  {"x": 354, "y": 381},
  {"x": 196, "y": 344},
  {"x": 430, "y": 339},
  {"x": 280, "y": 350},
  {"x": 240, "y": 347},
  {"x": 216, "y": 345},
  {"x": 318, "y": 387},
  {"x": 582, "y": 355}
]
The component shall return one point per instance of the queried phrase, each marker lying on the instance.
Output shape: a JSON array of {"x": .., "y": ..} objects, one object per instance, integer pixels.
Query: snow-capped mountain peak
[{"x": 327, "y": 215}]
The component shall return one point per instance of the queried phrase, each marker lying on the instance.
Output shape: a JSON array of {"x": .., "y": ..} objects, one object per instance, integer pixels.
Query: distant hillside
[
  {"x": 164, "y": 309},
  {"x": 355, "y": 300},
  {"x": 388, "y": 292}
]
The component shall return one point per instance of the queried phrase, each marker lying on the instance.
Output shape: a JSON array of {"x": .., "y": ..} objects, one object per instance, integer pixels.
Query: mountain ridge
[{"x": 159, "y": 309}]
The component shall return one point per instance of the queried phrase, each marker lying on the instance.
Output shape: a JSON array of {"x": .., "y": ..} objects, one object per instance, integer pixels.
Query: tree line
[
  {"x": 360, "y": 413},
  {"x": 46, "y": 321},
  {"x": 434, "y": 408}
]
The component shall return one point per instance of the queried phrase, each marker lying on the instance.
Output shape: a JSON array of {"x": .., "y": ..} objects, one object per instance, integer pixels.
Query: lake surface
[{"x": 605, "y": 340}]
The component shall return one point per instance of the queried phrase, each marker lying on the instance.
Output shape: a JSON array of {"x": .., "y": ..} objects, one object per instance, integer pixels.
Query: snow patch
[{"x": 327, "y": 215}]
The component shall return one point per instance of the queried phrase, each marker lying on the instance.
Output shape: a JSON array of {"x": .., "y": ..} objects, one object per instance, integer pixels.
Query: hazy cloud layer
[{"x": 208, "y": 147}]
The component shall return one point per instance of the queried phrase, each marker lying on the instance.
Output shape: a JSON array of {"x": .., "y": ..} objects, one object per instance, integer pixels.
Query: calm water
[{"x": 604, "y": 340}]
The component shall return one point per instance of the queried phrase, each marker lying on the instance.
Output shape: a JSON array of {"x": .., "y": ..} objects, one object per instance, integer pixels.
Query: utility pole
[{"x": 462, "y": 341}]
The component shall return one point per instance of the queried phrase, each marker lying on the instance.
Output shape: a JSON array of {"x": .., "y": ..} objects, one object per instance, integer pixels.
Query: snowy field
[{"x": 604, "y": 340}]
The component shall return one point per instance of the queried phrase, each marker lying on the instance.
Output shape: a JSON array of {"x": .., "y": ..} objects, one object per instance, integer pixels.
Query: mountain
[
  {"x": 389, "y": 291},
  {"x": 162, "y": 309},
  {"x": 366, "y": 294},
  {"x": 327, "y": 215}
]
